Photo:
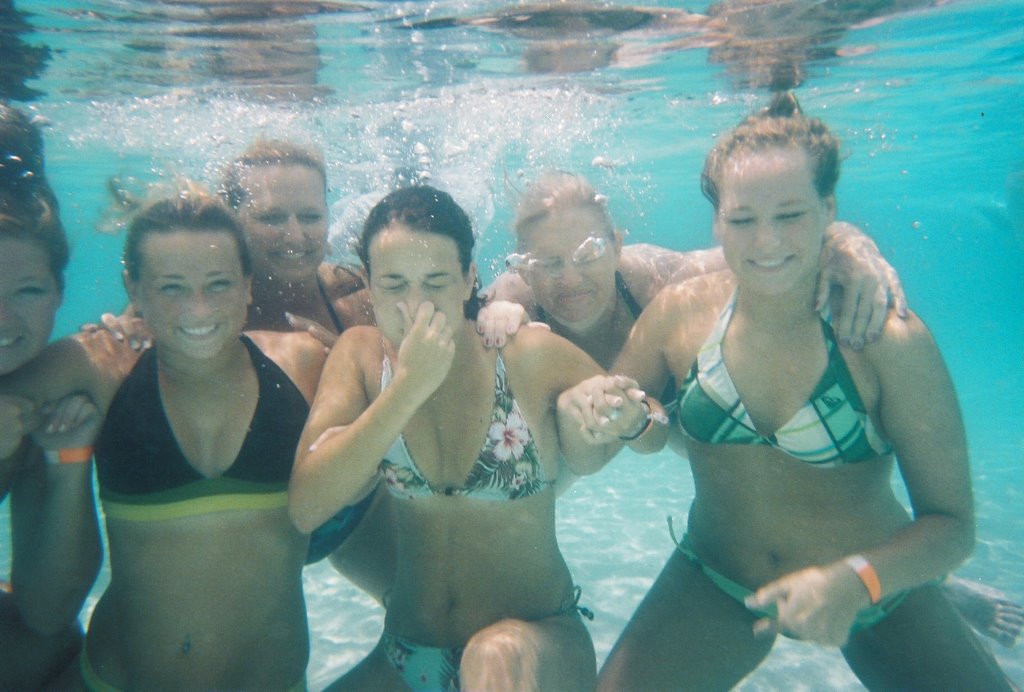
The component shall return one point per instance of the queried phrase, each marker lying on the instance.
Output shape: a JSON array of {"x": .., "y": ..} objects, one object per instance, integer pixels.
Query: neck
[
  {"x": 186, "y": 371},
  {"x": 778, "y": 312},
  {"x": 272, "y": 298}
]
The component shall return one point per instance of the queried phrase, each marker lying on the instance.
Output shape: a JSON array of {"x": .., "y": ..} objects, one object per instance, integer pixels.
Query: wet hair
[
  {"x": 192, "y": 210},
  {"x": 267, "y": 152},
  {"x": 782, "y": 124},
  {"x": 424, "y": 209},
  {"x": 559, "y": 190},
  {"x": 34, "y": 220},
  {"x": 21, "y": 149},
  {"x": 28, "y": 206}
]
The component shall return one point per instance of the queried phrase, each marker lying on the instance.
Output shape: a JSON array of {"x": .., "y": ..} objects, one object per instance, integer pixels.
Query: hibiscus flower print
[{"x": 509, "y": 437}]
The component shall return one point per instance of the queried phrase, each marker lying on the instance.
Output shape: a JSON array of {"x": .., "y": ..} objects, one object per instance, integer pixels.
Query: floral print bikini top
[{"x": 508, "y": 467}]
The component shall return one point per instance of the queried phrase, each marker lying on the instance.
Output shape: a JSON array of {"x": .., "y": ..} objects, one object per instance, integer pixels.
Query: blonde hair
[
  {"x": 268, "y": 152},
  {"x": 558, "y": 190}
]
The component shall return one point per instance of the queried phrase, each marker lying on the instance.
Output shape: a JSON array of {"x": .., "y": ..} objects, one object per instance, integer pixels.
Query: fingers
[
  {"x": 313, "y": 328},
  {"x": 15, "y": 413},
  {"x": 607, "y": 407},
  {"x": 67, "y": 413},
  {"x": 899, "y": 297},
  {"x": 500, "y": 320},
  {"x": 848, "y": 319}
]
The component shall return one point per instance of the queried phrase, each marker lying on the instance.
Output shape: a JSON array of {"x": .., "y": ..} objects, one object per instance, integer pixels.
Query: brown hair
[
  {"x": 193, "y": 210},
  {"x": 424, "y": 209},
  {"x": 781, "y": 124}
]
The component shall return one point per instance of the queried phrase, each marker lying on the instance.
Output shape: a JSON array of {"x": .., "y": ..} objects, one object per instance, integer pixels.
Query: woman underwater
[
  {"x": 193, "y": 460},
  {"x": 53, "y": 520},
  {"x": 483, "y": 598},
  {"x": 794, "y": 528}
]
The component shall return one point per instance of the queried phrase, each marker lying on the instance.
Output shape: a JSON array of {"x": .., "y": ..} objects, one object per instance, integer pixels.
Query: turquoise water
[{"x": 928, "y": 104}]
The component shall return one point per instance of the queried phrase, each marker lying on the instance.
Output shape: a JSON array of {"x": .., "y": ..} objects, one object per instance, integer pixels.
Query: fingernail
[{"x": 487, "y": 342}]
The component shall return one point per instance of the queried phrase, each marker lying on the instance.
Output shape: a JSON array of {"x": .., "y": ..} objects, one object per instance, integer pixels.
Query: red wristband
[
  {"x": 74, "y": 455},
  {"x": 868, "y": 576}
]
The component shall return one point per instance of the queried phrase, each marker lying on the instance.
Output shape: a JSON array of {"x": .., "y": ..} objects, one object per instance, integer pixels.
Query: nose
[
  {"x": 767, "y": 236},
  {"x": 203, "y": 305},
  {"x": 570, "y": 275}
]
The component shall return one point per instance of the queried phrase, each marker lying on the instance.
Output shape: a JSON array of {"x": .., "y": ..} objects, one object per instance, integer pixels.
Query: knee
[{"x": 502, "y": 656}]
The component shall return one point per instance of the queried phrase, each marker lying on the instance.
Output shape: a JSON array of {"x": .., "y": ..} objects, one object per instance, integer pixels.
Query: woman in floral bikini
[{"x": 483, "y": 598}]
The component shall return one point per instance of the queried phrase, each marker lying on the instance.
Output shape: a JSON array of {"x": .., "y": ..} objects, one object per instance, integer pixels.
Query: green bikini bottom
[{"x": 866, "y": 617}]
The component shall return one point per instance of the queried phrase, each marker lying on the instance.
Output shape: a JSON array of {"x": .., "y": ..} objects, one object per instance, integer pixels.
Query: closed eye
[
  {"x": 790, "y": 215},
  {"x": 272, "y": 218}
]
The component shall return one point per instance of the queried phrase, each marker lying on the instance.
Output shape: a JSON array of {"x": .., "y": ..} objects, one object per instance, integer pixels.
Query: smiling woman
[
  {"x": 193, "y": 460},
  {"x": 279, "y": 191}
]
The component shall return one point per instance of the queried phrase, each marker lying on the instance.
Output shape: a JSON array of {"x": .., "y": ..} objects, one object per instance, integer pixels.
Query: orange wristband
[
  {"x": 868, "y": 576},
  {"x": 74, "y": 455}
]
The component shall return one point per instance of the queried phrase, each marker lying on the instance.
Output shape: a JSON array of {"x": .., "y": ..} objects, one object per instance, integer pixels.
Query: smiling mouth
[
  {"x": 8, "y": 341},
  {"x": 199, "y": 331},
  {"x": 293, "y": 255},
  {"x": 771, "y": 263}
]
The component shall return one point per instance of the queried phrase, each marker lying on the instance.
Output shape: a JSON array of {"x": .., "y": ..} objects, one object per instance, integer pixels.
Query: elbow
[{"x": 301, "y": 518}]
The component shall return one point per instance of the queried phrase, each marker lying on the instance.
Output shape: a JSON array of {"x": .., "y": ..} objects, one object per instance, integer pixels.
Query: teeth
[
  {"x": 198, "y": 331},
  {"x": 7, "y": 341},
  {"x": 770, "y": 264}
]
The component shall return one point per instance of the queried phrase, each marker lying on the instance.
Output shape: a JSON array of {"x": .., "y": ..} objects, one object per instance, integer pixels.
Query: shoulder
[
  {"x": 539, "y": 355},
  {"x": 511, "y": 287},
  {"x": 903, "y": 340},
  {"x": 693, "y": 297},
  {"x": 298, "y": 354},
  {"x": 340, "y": 280},
  {"x": 646, "y": 268}
]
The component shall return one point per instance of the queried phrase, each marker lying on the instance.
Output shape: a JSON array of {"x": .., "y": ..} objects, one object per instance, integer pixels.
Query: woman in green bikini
[{"x": 792, "y": 439}]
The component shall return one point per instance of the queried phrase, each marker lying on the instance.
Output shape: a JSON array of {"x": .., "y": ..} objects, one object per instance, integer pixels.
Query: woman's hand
[
  {"x": 16, "y": 421},
  {"x": 127, "y": 327},
  {"x": 427, "y": 350},
  {"x": 500, "y": 319},
  {"x": 606, "y": 407},
  {"x": 815, "y": 604},
  {"x": 851, "y": 260},
  {"x": 313, "y": 328},
  {"x": 73, "y": 421}
]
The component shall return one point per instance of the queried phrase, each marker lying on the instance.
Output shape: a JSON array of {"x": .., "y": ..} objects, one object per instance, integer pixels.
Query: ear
[
  {"x": 830, "y": 208},
  {"x": 248, "y": 291},
  {"x": 473, "y": 275}
]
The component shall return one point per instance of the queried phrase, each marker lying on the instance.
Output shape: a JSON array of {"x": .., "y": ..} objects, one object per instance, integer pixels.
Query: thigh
[
  {"x": 686, "y": 634},
  {"x": 555, "y": 653},
  {"x": 923, "y": 644}
]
